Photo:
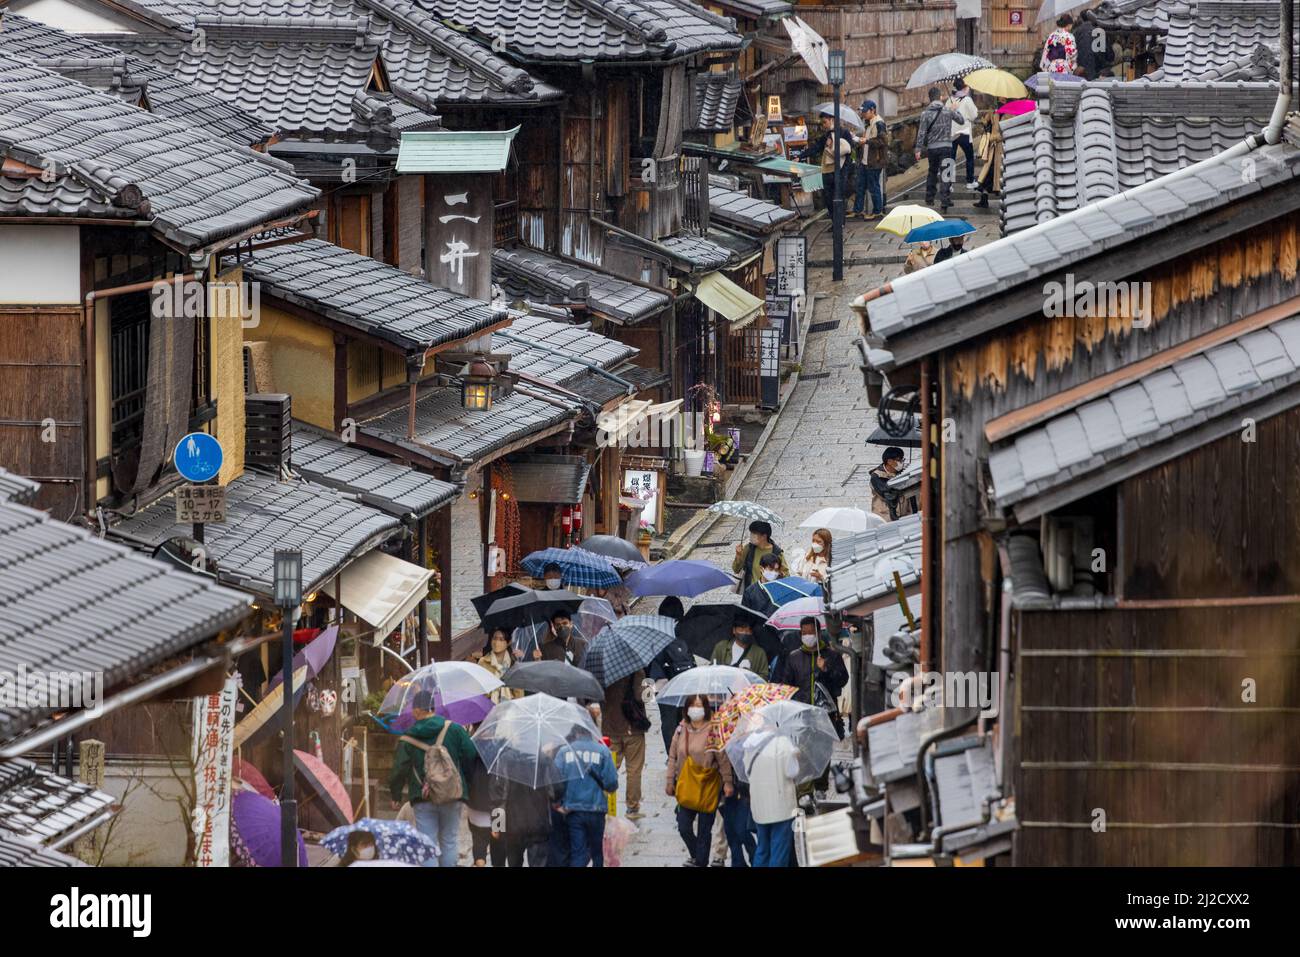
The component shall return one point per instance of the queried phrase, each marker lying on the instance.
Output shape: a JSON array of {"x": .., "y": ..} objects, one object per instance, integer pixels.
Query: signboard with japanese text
[
  {"x": 458, "y": 219},
  {"x": 200, "y": 504},
  {"x": 769, "y": 367},
  {"x": 213, "y": 747},
  {"x": 791, "y": 266},
  {"x": 643, "y": 485},
  {"x": 779, "y": 310}
]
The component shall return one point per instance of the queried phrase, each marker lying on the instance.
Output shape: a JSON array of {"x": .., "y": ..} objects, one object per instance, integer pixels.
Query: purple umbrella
[
  {"x": 682, "y": 577},
  {"x": 255, "y": 831},
  {"x": 467, "y": 711},
  {"x": 313, "y": 655}
]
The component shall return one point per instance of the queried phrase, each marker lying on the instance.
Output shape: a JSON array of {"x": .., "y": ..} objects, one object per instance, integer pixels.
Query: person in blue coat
[{"x": 589, "y": 772}]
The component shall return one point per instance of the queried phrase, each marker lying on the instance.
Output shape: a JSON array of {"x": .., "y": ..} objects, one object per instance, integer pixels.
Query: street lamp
[
  {"x": 288, "y": 596},
  {"x": 835, "y": 69}
]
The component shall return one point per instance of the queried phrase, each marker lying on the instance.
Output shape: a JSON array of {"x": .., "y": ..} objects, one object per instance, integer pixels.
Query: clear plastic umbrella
[
  {"x": 848, "y": 115},
  {"x": 593, "y": 615},
  {"x": 521, "y": 738},
  {"x": 448, "y": 681},
  {"x": 798, "y": 737},
  {"x": 945, "y": 66},
  {"x": 716, "y": 682}
]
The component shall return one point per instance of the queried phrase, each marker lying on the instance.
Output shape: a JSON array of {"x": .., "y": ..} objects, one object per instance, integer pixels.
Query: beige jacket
[{"x": 686, "y": 741}]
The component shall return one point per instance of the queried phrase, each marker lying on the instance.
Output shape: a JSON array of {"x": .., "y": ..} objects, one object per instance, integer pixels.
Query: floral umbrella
[{"x": 728, "y": 716}]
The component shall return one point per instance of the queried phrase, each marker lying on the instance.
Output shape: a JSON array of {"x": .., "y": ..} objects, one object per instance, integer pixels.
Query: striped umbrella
[
  {"x": 750, "y": 510},
  {"x": 627, "y": 646},
  {"x": 727, "y": 717},
  {"x": 582, "y": 568}
]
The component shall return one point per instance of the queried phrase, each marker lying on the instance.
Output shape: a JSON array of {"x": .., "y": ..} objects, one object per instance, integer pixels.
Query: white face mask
[
  {"x": 809, "y": 641},
  {"x": 695, "y": 714},
  {"x": 817, "y": 548},
  {"x": 771, "y": 576},
  {"x": 553, "y": 583},
  {"x": 366, "y": 854}
]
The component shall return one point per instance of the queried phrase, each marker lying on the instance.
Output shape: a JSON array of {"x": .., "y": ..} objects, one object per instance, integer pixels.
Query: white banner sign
[{"x": 214, "y": 737}]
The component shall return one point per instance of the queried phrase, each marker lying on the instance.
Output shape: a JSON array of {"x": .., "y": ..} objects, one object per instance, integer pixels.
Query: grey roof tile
[
  {"x": 1135, "y": 410},
  {"x": 264, "y": 514},
  {"x": 1102, "y": 426},
  {"x": 16, "y": 488},
  {"x": 1267, "y": 353},
  {"x": 111, "y": 159},
  {"x": 1168, "y": 398},
  {"x": 20, "y": 852},
  {"x": 529, "y": 272},
  {"x": 714, "y": 97},
  {"x": 1200, "y": 381},
  {"x": 704, "y": 254},
  {"x": 1037, "y": 459},
  {"x": 43, "y": 807},
  {"x": 853, "y": 576},
  {"x": 732, "y": 207},
  {"x": 1069, "y": 440},
  {"x": 369, "y": 296},
  {"x": 389, "y": 486},
  {"x": 1233, "y": 366},
  {"x": 558, "y": 352},
  {"x": 556, "y": 479}
]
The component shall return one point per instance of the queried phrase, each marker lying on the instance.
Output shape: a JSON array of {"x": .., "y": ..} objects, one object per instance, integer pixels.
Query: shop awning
[
  {"x": 618, "y": 424},
  {"x": 810, "y": 176},
  {"x": 382, "y": 590},
  {"x": 727, "y": 299},
  {"x": 455, "y": 151}
]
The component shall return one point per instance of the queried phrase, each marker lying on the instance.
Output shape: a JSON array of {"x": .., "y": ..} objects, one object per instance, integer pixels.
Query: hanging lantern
[
  {"x": 577, "y": 518},
  {"x": 476, "y": 385}
]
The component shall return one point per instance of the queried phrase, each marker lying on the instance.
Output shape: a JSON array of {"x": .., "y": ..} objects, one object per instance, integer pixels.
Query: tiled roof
[
  {"x": 557, "y": 351},
  {"x": 264, "y": 514},
  {"x": 166, "y": 96},
  {"x": 704, "y": 254},
  {"x": 990, "y": 270},
  {"x": 713, "y": 101},
  {"x": 731, "y": 207},
  {"x": 446, "y": 430},
  {"x": 389, "y": 486},
  {"x": 1146, "y": 16},
  {"x": 1098, "y": 139},
  {"x": 854, "y": 578},
  {"x": 755, "y": 9},
  {"x": 369, "y": 296},
  {"x": 70, "y": 602},
  {"x": 1259, "y": 65},
  {"x": 574, "y": 30},
  {"x": 1095, "y": 437},
  {"x": 1210, "y": 33},
  {"x": 533, "y": 274},
  {"x": 19, "y": 852},
  {"x": 558, "y": 479},
  {"x": 115, "y": 160},
  {"x": 45, "y": 808},
  {"x": 16, "y": 488}
]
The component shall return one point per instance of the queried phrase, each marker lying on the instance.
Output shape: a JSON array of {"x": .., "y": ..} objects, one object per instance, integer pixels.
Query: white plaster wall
[{"x": 40, "y": 265}]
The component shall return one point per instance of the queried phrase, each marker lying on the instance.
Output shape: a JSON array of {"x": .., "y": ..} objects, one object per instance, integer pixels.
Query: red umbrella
[
  {"x": 245, "y": 772},
  {"x": 331, "y": 796},
  {"x": 1017, "y": 107}
]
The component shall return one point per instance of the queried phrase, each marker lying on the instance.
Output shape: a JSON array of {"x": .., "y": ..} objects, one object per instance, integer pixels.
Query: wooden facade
[{"x": 1009, "y": 36}]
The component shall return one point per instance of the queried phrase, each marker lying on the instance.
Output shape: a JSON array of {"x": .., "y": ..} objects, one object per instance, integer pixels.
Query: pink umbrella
[
  {"x": 325, "y": 786},
  {"x": 786, "y": 618},
  {"x": 251, "y": 778},
  {"x": 1018, "y": 107}
]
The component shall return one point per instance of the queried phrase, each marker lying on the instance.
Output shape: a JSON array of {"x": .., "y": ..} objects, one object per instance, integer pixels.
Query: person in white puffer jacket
[{"x": 964, "y": 106}]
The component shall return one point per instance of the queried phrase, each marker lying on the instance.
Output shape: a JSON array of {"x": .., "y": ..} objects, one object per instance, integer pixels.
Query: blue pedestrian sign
[{"x": 198, "y": 457}]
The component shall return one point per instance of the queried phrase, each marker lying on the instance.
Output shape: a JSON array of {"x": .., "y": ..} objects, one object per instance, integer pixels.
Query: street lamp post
[
  {"x": 288, "y": 596},
  {"x": 835, "y": 68}
]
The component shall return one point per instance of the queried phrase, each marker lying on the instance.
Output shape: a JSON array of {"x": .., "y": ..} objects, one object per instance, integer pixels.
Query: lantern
[{"x": 476, "y": 385}]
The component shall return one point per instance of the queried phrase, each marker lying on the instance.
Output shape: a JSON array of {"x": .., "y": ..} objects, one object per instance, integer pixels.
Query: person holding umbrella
[
  {"x": 884, "y": 500},
  {"x": 552, "y": 576},
  {"x": 739, "y": 651},
  {"x": 813, "y": 662},
  {"x": 934, "y": 139},
  {"x": 961, "y": 103},
  {"x": 361, "y": 847},
  {"x": 497, "y": 658},
  {"x": 437, "y": 813},
  {"x": 956, "y": 247},
  {"x": 624, "y": 722},
  {"x": 698, "y": 778},
  {"x": 674, "y": 659},
  {"x": 524, "y": 814},
  {"x": 748, "y": 560},
  {"x": 817, "y": 561}
]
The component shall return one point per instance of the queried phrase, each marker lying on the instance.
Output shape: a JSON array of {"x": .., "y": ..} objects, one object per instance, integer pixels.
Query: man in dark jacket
[
  {"x": 934, "y": 141},
  {"x": 750, "y": 556},
  {"x": 884, "y": 500},
  {"x": 813, "y": 663},
  {"x": 560, "y": 643},
  {"x": 627, "y": 742},
  {"x": 671, "y": 662},
  {"x": 956, "y": 247},
  {"x": 521, "y": 819},
  {"x": 441, "y": 822},
  {"x": 1092, "y": 46}
]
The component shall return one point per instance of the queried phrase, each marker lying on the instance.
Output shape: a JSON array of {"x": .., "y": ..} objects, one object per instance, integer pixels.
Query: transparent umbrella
[
  {"x": 716, "y": 682},
  {"x": 448, "y": 681},
  {"x": 593, "y": 615},
  {"x": 521, "y": 739},
  {"x": 798, "y": 739}
]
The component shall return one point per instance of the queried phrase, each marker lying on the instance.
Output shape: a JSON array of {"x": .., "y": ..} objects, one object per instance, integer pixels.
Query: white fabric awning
[
  {"x": 808, "y": 43},
  {"x": 382, "y": 590},
  {"x": 617, "y": 424},
  {"x": 727, "y": 299}
]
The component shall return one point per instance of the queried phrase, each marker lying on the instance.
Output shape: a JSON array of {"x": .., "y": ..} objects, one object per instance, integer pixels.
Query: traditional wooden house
[{"x": 1109, "y": 400}]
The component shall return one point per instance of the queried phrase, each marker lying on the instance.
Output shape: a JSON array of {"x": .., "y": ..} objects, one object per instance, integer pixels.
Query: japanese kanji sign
[
  {"x": 213, "y": 746},
  {"x": 200, "y": 504},
  {"x": 791, "y": 265},
  {"x": 769, "y": 368},
  {"x": 458, "y": 228}
]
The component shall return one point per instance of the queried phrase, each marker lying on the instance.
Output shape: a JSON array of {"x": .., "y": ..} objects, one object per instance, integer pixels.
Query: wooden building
[{"x": 1109, "y": 401}]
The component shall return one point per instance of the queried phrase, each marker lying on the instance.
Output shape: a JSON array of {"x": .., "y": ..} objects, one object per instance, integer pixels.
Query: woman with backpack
[{"x": 698, "y": 778}]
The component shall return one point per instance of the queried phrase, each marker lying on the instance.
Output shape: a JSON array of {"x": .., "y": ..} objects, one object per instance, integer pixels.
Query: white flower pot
[{"x": 694, "y": 460}]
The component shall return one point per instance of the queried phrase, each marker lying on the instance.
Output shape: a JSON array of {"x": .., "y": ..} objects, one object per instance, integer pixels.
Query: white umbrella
[
  {"x": 807, "y": 42},
  {"x": 1051, "y": 9},
  {"x": 946, "y": 66},
  {"x": 521, "y": 738},
  {"x": 842, "y": 519},
  {"x": 717, "y": 682},
  {"x": 449, "y": 681},
  {"x": 848, "y": 116}
]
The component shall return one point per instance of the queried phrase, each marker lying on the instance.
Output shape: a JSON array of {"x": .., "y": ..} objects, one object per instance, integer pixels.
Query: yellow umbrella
[
  {"x": 903, "y": 219},
  {"x": 997, "y": 83}
]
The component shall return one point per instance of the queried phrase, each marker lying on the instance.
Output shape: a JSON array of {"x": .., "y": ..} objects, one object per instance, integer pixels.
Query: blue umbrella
[
  {"x": 582, "y": 568},
  {"x": 682, "y": 577},
  {"x": 943, "y": 229},
  {"x": 785, "y": 590},
  {"x": 394, "y": 840}
]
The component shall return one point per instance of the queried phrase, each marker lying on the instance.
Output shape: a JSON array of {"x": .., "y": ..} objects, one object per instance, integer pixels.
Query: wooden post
[
  {"x": 90, "y": 770},
  {"x": 442, "y": 649}
]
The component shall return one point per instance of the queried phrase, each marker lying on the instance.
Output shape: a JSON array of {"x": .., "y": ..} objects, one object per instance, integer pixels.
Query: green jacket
[
  {"x": 755, "y": 655},
  {"x": 407, "y": 777}
]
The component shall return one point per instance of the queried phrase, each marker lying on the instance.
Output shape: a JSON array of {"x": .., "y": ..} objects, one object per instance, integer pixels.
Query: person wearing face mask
[
  {"x": 748, "y": 557},
  {"x": 670, "y": 662},
  {"x": 560, "y": 643},
  {"x": 497, "y": 658},
  {"x": 812, "y": 662},
  {"x": 814, "y": 563},
  {"x": 361, "y": 847},
  {"x": 553, "y": 577},
  {"x": 740, "y": 650},
  {"x": 698, "y": 778}
]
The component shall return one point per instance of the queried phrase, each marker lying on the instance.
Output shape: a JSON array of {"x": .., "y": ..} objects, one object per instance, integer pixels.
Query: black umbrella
[
  {"x": 620, "y": 552},
  {"x": 910, "y": 441},
  {"x": 707, "y": 624},
  {"x": 529, "y": 607},
  {"x": 559, "y": 679},
  {"x": 483, "y": 602}
]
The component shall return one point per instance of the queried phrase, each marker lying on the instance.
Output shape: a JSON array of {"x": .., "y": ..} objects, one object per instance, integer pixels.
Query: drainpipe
[
  {"x": 88, "y": 329},
  {"x": 1285, "y": 68}
]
